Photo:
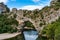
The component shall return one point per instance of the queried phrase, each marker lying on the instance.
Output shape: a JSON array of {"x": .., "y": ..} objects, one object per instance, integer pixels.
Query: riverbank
[
  {"x": 8, "y": 35},
  {"x": 18, "y": 37}
]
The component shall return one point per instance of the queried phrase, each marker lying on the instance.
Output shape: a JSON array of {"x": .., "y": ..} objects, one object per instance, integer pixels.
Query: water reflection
[{"x": 30, "y": 35}]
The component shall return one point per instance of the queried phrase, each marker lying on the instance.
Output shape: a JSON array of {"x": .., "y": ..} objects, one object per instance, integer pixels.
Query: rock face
[
  {"x": 14, "y": 10},
  {"x": 3, "y": 8},
  {"x": 53, "y": 1},
  {"x": 52, "y": 17},
  {"x": 39, "y": 18},
  {"x": 20, "y": 13},
  {"x": 48, "y": 18}
]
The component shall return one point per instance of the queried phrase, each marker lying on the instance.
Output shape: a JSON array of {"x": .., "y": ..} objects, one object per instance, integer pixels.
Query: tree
[
  {"x": 52, "y": 31},
  {"x": 29, "y": 24},
  {"x": 6, "y": 24}
]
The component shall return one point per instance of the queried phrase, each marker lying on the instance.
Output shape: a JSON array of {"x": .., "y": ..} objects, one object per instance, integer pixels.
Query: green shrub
[{"x": 5, "y": 24}]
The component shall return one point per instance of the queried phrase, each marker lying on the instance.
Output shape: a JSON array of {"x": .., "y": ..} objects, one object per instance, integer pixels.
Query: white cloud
[
  {"x": 35, "y": 0},
  {"x": 31, "y": 7},
  {"x": 4, "y": 1}
]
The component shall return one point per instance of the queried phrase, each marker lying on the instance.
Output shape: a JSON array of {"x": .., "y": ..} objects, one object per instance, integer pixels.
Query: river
[
  {"x": 30, "y": 35},
  {"x": 26, "y": 35}
]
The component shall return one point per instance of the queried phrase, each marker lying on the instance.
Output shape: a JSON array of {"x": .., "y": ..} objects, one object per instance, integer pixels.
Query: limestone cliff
[{"x": 39, "y": 18}]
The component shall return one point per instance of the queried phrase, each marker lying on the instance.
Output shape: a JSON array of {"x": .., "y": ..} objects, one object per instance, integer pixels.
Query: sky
[{"x": 26, "y": 4}]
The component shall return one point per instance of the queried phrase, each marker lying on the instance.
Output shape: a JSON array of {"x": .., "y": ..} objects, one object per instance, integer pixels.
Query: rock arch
[
  {"x": 32, "y": 21},
  {"x": 39, "y": 29}
]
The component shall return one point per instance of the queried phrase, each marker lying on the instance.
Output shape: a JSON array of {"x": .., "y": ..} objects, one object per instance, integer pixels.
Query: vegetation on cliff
[
  {"x": 7, "y": 24},
  {"x": 29, "y": 24},
  {"x": 52, "y": 30}
]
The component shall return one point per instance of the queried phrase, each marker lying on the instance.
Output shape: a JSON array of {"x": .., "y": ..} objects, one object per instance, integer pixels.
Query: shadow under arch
[{"x": 28, "y": 26}]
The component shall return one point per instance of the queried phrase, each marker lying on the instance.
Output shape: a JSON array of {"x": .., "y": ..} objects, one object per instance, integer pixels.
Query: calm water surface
[{"x": 30, "y": 35}]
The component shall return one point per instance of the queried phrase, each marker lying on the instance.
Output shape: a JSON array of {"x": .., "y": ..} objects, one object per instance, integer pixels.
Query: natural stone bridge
[{"x": 36, "y": 26}]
